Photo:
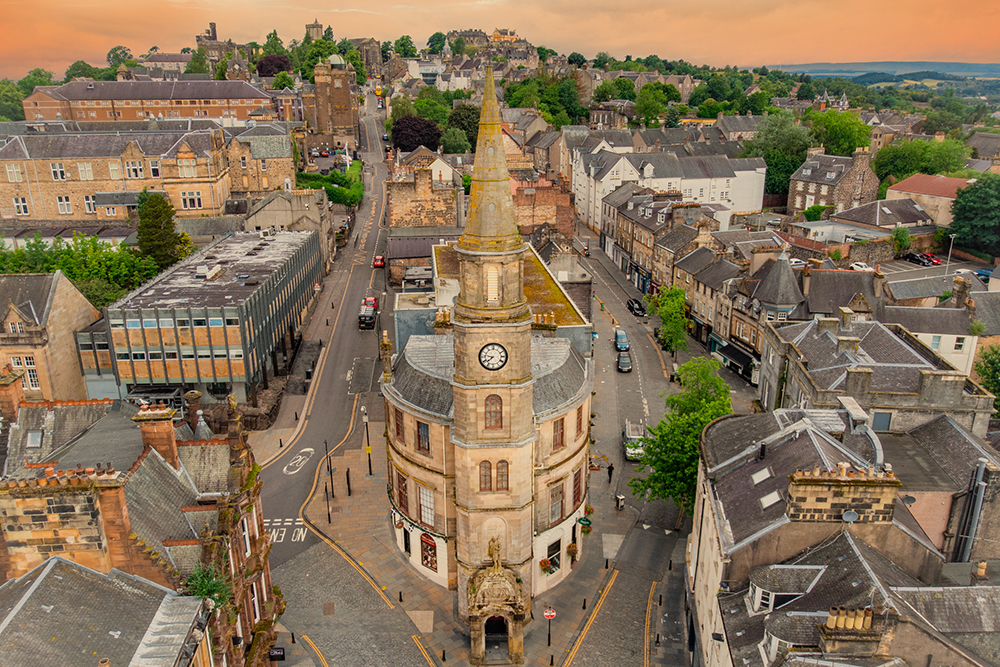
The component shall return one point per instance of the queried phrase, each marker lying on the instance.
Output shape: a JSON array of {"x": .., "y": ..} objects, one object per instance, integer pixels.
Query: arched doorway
[{"x": 496, "y": 639}]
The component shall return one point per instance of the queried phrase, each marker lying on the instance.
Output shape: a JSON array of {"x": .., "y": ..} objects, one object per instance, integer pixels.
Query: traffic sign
[{"x": 549, "y": 613}]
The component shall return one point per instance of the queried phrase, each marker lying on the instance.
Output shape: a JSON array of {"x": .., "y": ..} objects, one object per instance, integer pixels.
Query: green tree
[
  {"x": 976, "y": 215},
  {"x": 649, "y": 104},
  {"x": 404, "y": 47},
  {"x": 577, "y": 59},
  {"x": 198, "y": 63},
  {"x": 671, "y": 452},
  {"x": 156, "y": 236},
  {"x": 186, "y": 49},
  {"x": 467, "y": 183},
  {"x": 328, "y": 33},
  {"x": 221, "y": 67},
  {"x": 386, "y": 49},
  {"x": 119, "y": 55},
  {"x": 209, "y": 582},
  {"x": 604, "y": 91},
  {"x": 672, "y": 117},
  {"x": 900, "y": 240},
  {"x": 454, "y": 141},
  {"x": 432, "y": 110},
  {"x": 668, "y": 305},
  {"x": 544, "y": 53},
  {"x": 36, "y": 77},
  {"x": 815, "y": 212},
  {"x": 80, "y": 68},
  {"x": 354, "y": 57},
  {"x": 458, "y": 46},
  {"x": 402, "y": 106},
  {"x": 625, "y": 88},
  {"x": 840, "y": 133},
  {"x": 602, "y": 60},
  {"x": 560, "y": 119},
  {"x": 283, "y": 80},
  {"x": 10, "y": 101},
  {"x": 274, "y": 45},
  {"x": 344, "y": 45},
  {"x": 988, "y": 368},
  {"x": 318, "y": 50},
  {"x": 436, "y": 42},
  {"x": 466, "y": 118},
  {"x": 783, "y": 144},
  {"x": 411, "y": 132}
]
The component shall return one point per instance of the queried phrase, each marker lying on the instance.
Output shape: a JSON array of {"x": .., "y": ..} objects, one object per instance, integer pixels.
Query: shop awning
[{"x": 736, "y": 355}]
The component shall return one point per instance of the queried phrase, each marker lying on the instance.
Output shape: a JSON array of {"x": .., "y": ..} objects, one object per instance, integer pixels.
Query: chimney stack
[
  {"x": 878, "y": 281},
  {"x": 192, "y": 401},
  {"x": 11, "y": 393},
  {"x": 806, "y": 279},
  {"x": 960, "y": 291},
  {"x": 157, "y": 426}
]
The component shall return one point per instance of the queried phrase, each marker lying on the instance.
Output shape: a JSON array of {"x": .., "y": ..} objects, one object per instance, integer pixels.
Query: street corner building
[{"x": 489, "y": 418}]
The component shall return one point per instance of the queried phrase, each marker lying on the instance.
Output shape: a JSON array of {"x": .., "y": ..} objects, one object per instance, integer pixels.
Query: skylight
[
  {"x": 770, "y": 499},
  {"x": 760, "y": 476}
]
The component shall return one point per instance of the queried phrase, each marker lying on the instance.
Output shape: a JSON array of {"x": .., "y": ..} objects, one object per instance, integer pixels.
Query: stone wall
[
  {"x": 536, "y": 206},
  {"x": 420, "y": 203}
]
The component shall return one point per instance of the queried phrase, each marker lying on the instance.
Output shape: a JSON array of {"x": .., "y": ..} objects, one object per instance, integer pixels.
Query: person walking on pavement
[{"x": 611, "y": 469}]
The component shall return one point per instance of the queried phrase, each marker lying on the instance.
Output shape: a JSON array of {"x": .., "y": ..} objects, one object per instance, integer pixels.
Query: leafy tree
[
  {"x": 402, "y": 106},
  {"x": 221, "y": 67},
  {"x": 602, "y": 60},
  {"x": 577, "y": 59},
  {"x": 404, "y": 47},
  {"x": 672, "y": 117},
  {"x": 156, "y": 236},
  {"x": 604, "y": 91},
  {"x": 458, "y": 46},
  {"x": 36, "y": 77},
  {"x": 186, "y": 49},
  {"x": 386, "y": 49},
  {"x": 668, "y": 305},
  {"x": 467, "y": 183},
  {"x": 272, "y": 64},
  {"x": 328, "y": 33},
  {"x": 198, "y": 63},
  {"x": 814, "y": 212},
  {"x": 560, "y": 119},
  {"x": 274, "y": 45},
  {"x": 344, "y": 45},
  {"x": 544, "y": 53},
  {"x": 840, "y": 133},
  {"x": 454, "y": 141},
  {"x": 671, "y": 451},
  {"x": 649, "y": 104},
  {"x": 436, "y": 42},
  {"x": 283, "y": 80},
  {"x": 432, "y": 110},
  {"x": 783, "y": 145},
  {"x": 901, "y": 159},
  {"x": 465, "y": 117},
  {"x": 411, "y": 132},
  {"x": 119, "y": 55},
  {"x": 805, "y": 92},
  {"x": 625, "y": 88},
  {"x": 80, "y": 68},
  {"x": 318, "y": 50},
  {"x": 431, "y": 93},
  {"x": 976, "y": 215},
  {"x": 900, "y": 240},
  {"x": 988, "y": 368},
  {"x": 360, "y": 73}
]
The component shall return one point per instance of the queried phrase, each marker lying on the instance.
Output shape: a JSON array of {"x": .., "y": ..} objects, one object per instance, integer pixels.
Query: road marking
[
  {"x": 656, "y": 347},
  {"x": 645, "y": 635},
  {"x": 318, "y": 654},
  {"x": 278, "y": 522},
  {"x": 593, "y": 615},
  {"x": 300, "y": 459},
  {"x": 416, "y": 640}
]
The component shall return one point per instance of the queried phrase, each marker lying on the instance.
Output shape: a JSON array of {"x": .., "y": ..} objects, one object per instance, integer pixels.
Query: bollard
[
  {"x": 348, "y": 482},
  {"x": 332, "y": 306},
  {"x": 584, "y": 603},
  {"x": 321, "y": 342},
  {"x": 670, "y": 565},
  {"x": 552, "y": 659},
  {"x": 400, "y": 596},
  {"x": 605, "y": 563},
  {"x": 443, "y": 658},
  {"x": 661, "y": 600},
  {"x": 657, "y": 638},
  {"x": 328, "y": 321},
  {"x": 293, "y": 637},
  {"x": 280, "y": 443},
  {"x": 296, "y": 416}
]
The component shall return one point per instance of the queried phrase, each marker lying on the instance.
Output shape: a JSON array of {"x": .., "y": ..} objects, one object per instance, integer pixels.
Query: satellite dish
[
  {"x": 909, "y": 500},
  {"x": 850, "y": 516}
]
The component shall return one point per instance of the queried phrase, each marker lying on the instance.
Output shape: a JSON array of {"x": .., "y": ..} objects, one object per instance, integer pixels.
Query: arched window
[
  {"x": 502, "y": 483},
  {"x": 494, "y": 411},
  {"x": 428, "y": 552},
  {"x": 492, "y": 284},
  {"x": 485, "y": 476}
]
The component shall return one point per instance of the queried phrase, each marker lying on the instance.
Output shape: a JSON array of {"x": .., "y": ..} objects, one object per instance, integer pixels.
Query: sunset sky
[{"x": 54, "y": 33}]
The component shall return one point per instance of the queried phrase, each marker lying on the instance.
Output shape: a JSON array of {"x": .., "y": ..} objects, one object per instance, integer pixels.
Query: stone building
[
  {"x": 934, "y": 193},
  {"x": 331, "y": 107},
  {"x": 832, "y": 180},
  {"x": 216, "y": 48},
  {"x": 314, "y": 30},
  {"x": 371, "y": 55},
  {"x": 488, "y": 424},
  {"x": 260, "y": 160},
  {"x": 296, "y": 211},
  {"x": 415, "y": 199},
  {"x": 41, "y": 314}
]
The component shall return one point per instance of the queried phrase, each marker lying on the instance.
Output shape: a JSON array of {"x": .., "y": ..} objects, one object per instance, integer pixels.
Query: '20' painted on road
[{"x": 298, "y": 461}]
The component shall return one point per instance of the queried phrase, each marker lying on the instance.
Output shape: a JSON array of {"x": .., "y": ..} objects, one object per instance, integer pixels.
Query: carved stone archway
[{"x": 495, "y": 591}]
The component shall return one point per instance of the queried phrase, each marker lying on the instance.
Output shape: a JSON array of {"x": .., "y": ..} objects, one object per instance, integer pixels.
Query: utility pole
[{"x": 368, "y": 444}]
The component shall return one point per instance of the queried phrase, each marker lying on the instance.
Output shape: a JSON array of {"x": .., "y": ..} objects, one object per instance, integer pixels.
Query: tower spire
[{"x": 491, "y": 225}]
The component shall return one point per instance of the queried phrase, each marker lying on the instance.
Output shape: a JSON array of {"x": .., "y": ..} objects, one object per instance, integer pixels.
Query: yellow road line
[
  {"x": 593, "y": 615},
  {"x": 645, "y": 634},
  {"x": 656, "y": 347},
  {"x": 416, "y": 640},
  {"x": 320, "y": 655}
]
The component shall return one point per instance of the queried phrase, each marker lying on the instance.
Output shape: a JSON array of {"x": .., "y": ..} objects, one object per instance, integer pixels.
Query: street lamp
[
  {"x": 949, "y": 253},
  {"x": 368, "y": 445}
]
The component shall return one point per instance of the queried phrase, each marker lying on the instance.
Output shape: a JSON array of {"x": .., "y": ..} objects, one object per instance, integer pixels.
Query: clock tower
[{"x": 494, "y": 431}]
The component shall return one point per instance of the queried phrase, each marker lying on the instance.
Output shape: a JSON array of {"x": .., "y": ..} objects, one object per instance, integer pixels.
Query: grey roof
[
  {"x": 952, "y": 449},
  {"x": 951, "y": 321},
  {"x": 920, "y": 288},
  {"x": 986, "y": 143},
  {"x": 818, "y": 169},
  {"x": 748, "y": 123},
  {"x": 153, "y": 90},
  {"x": 696, "y": 260},
  {"x": 623, "y": 193},
  {"x": 207, "y": 464},
  {"x": 781, "y": 285},
  {"x": 988, "y": 310},
  {"x": 31, "y": 293},
  {"x": 831, "y": 289},
  {"x": 93, "y": 145},
  {"x": 62, "y": 613},
  {"x": 59, "y": 427},
  {"x": 716, "y": 274},
  {"x": 267, "y": 147},
  {"x": 886, "y": 213},
  {"x": 423, "y": 372},
  {"x": 677, "y": 238}
]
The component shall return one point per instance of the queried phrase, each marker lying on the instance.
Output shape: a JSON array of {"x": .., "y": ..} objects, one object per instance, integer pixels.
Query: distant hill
[
  {"x": 851, "y": 70},
  {"x": 883, "y": 77}
]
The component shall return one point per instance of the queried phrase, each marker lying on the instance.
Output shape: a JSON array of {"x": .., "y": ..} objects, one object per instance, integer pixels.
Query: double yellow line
[{"x": 593, "y": 615}]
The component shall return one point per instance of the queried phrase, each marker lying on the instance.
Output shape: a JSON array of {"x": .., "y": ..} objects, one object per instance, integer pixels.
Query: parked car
[
  {"x": 378, "y": 262},
  {"x": 324, "y": 153},
  {"x": 366, "y": 318},
  {"x": 796, "y": 263},
  {"x": 314, "y": 152},
  {"x": 984, "y": 274},
  {"x": 861, "y": 266},
  {"x": 385, "y": 137},
  {"x": 324, "y": 172},
  {"x": 918, "y": 258},
  {"x": 624, "y": 362},
  {"x": 370, "y": 302},
  {"x": 621, "y": 340},
  {"x": 636, "y": 308},
  {"x": 931, "y": 258}
]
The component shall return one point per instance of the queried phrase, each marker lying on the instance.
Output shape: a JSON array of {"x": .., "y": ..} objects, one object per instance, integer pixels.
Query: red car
[
  {"x": 324, "y": 153},
  {"x": 371, "y": 302},
  {"x": 379, "y": 262},
  {"x": 931, "y": 258}
]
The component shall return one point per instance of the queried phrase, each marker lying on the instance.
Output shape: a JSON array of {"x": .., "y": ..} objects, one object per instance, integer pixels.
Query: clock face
[{"x": 493, "y": 356}]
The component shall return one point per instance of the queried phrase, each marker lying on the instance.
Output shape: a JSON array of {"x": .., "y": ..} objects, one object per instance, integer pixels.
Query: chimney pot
[
  {"x": 981, "y": 568},
  {"x": 50, "y": 471},
  {"x": 849, "y": 622},
  {"x": 868, "y": 619},
  {"x": 815, "y": 471},
  {"x": 831, "y": 618},
  {"x": 841, "y": 617}
]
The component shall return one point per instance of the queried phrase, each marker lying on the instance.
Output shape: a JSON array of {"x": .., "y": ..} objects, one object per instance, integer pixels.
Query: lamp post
[
  {"x": 952, "y": 245},
  {"x": 368, "y": 444}
]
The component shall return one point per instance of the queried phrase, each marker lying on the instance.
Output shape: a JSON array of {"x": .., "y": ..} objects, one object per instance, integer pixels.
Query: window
[
  {"x": 219, "y": 354},
  {"x": 199, "y": 322},
  {"x": 760, "y": 476},
  {"x": 138, "y": 356},
  {"x": 553, "y": 554},
  {"x": 232, "y": 322},
  {"x": 191, "y": 200},
  {"x": 235, "y": 354},
  {"x": 245, "y": 530},
  {"x": 555, "y": 503},
  {"x": 133, "y": 169},
  {"x": 20, "y": 206},
  {"x": 577, "y": 487},
  {"x": 58, "y": 173},
  {"x": 423, "y": 438},
  {"x": 149, "y": 324},
  {"x": 204, "y": 354},
  {"x": 155, "y": 356},
  {"x": 494, "y": 411},
  {"x": 782, "y": 316},
  {"x": 110, "y": 211},
  {"x": 90, "y": 203},
  {"x": 398, "y": 418},
  {"x": 34, "y": 440},
  {"x": 183, "y": 322},
  {"x": 255, "y": 602},
  {"x": 502, "y": 476},
  {"x": 15, "y": 362},
  {"x": 485, "y": 476},
  {"x": 117, "y": 324},
  {"x": 557, "y": 434},
  {"x": 579, "y": 421},
  {"x": 881, "y": 421},
  {"x": 65, "y": 207},
  {"x": 170, "y": 356},
  {"x": 401, "y": 498},
  {"x": 16, "y": 327},
  {"x": 428, "y": 552},
  {"x": 243, "y": 163},
  {"x": 31, "y": 375},
  {"x": 113, "y": 170},
  {"x": 14, "y": 173},
  {"x": 936, "y": 343},
  {"x": 770, "y": 499},
  {"x": 426, "y": 506},
  {"x": 215, "y": 321},
  {"x": 187, "y": 168},
  {"x": 492, "y": 284},
  {"x": 166, "y": 323},
  {"x": 263, "y": 165},
  {"x": 960, "y": 343}
]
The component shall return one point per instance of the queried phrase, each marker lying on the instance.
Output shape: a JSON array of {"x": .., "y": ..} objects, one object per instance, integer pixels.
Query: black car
[
  {"x": 917, "y": 258},
  {"x": 636, "y": 308},
  {"x": 624, "y": 362}
]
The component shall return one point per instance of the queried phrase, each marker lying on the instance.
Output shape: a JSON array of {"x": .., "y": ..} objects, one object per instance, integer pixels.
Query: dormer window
[
  {"x": 830, "y": 175},
  {"x": 807, "y": 172}
]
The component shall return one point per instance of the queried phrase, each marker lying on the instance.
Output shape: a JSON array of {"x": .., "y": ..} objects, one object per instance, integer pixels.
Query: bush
[
  {"x": 340, "y": 188},
  {"x": 815, "y": 212},
  {"x": 836, "y": 255},
  {"x": 208, "y": 582}
]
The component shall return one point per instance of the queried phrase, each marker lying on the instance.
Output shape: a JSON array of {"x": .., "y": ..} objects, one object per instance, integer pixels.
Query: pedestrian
[{"x": 611, "y": 470}]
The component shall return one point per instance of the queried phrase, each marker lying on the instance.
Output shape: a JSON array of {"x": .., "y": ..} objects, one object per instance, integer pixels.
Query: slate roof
[
  {"x": 886, "y": 213},
  {"x": 831, "y": 289},
  {"x": 716, "y": 274},
  {"x": 988, "y": 310},
  {"x": 951, "y": 321},
  {"x": 933, "y": 185},
  {"x": 696, "y": 260},
  {"x": 59, "y": 427},
  {"x": 153, "y": 90},
  {"x": 677, "y": 238},
  {"x": 31, "y": 293},
  {"x": 817, "y": 167},
  {"x": 62, "y": 613},
  {"x": 953, "y": 450},
  {"x": 781, "y": 285},
  {"x": 208, "y": 465},
  {"x": 423, "y": 373},
  {"x": 739, "y": 123},
  {"x": 623, "y": 193},
  {"x": 267, "y": 147},
  {"x": 986, "y": 143},
  {"x": 920, "y": 288},
  {"x": 84, "y": 145}
]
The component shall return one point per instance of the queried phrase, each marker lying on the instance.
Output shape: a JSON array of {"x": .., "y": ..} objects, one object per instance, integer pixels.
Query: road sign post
[{"x": 549, "y": 614}]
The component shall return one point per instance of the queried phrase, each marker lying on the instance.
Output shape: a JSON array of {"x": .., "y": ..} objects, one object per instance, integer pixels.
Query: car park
[
  {"x": 918, "y": 258},
  {"x": 930, "y": 257},
  {"x": 636, "y": 308},
  {"x": 378, "y": 262},
  {"x": 624, "y": 362},
  {"x": 621, "y": 340},
  {"x": 861, "y": 266}
]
